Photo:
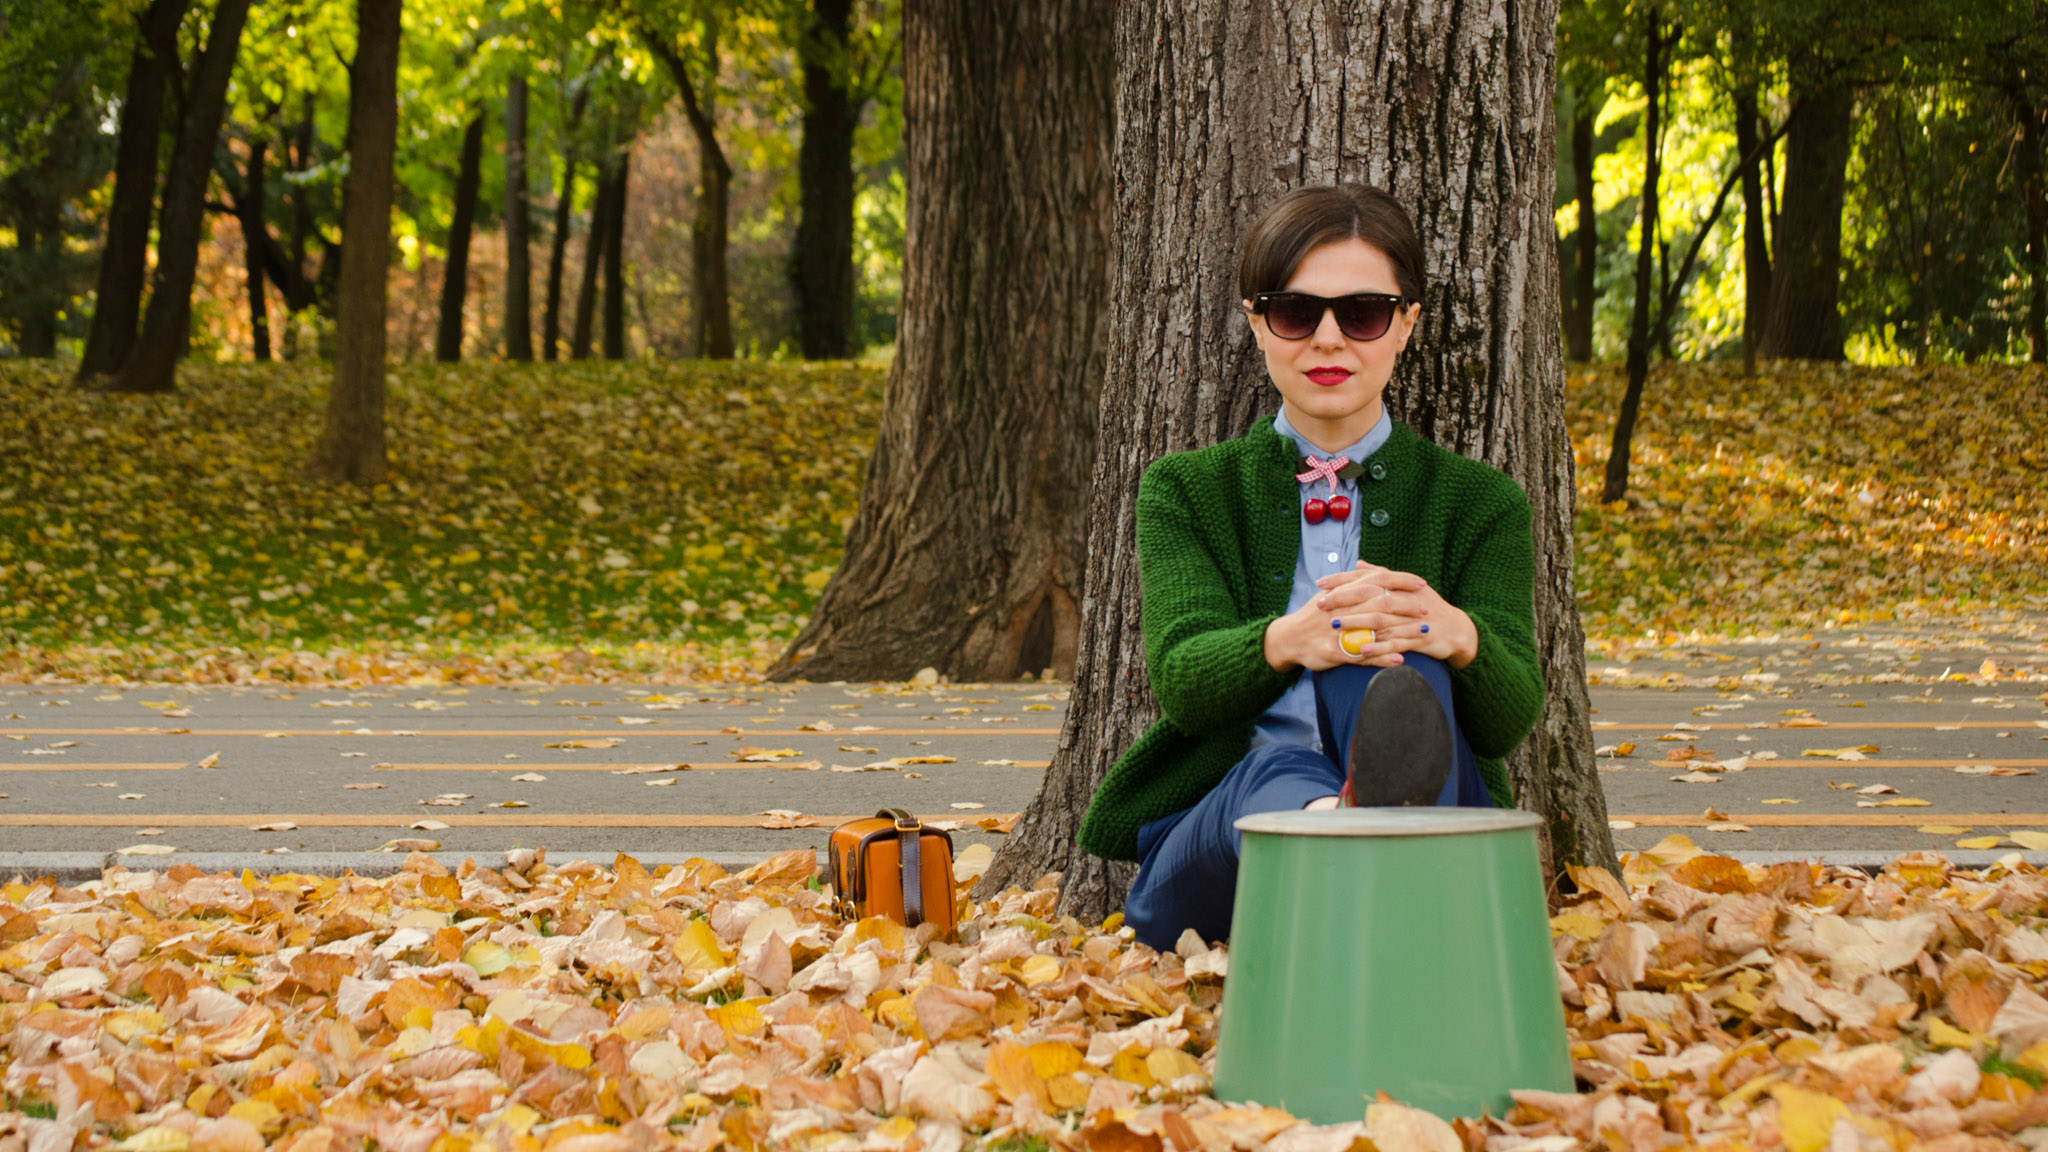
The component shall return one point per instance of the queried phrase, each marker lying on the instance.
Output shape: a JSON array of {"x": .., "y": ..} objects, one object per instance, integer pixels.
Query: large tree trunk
[
  {"x": 821, "y": 260},
  {"x": 1805, "y": 320},
  {"x": 455, "y": 276},
  {"x": 518, "y": 245},
  {"x": 593, "y": 257},
  {"x": 125, "y": 256},
  {"x": 1222, "y": 104},
  {"x": 151, "y": 365},
  {"x": 614, "y": 261},
  {"x": 1586, "y": 265},
  {"x": 1756, "y": 244},
  {"x": 351, "y": 447},
  {"x": 968, "y": 548},
  {"x": 1640, "y": 335},
  {"x": 710, "y": 286},
  {"x": 558, "y": 239},
  {"x": 255, "y": 238}
]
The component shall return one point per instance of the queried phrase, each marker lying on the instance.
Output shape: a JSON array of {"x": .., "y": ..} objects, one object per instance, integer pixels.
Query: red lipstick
[{"x": 1328, "y": 377}]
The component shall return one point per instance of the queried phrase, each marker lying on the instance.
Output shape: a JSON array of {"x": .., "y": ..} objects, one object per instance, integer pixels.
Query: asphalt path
[{"x": 356, "y": 777}]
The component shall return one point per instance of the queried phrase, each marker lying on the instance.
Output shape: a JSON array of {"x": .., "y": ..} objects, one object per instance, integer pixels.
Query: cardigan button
[
  {"x": 1378, "y": 471},
  {"x": 1379, "y": 517}
]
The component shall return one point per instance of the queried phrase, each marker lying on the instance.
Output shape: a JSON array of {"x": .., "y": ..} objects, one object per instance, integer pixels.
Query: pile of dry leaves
[{"x": 576, "y": 1008}]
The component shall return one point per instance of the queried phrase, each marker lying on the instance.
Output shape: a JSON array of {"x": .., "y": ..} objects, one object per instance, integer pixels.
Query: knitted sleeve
[
  {"x": 1205, "y": 660},
  {"x": 1499, "y": 695}
]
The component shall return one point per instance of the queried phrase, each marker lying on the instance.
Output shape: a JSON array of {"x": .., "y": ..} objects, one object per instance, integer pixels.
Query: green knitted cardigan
[{"x": 1218, "y": 538}]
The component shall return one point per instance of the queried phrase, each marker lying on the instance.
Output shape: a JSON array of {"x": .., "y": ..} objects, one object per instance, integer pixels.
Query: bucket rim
[{"x": 1388, "y": 822}]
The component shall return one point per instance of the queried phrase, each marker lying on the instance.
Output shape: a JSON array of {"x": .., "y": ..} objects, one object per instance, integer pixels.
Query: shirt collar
[{"x": 1368, "y": 444}]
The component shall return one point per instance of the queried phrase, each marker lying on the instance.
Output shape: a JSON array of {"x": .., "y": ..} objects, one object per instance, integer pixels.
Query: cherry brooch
[
  {"x": 1340, "y": 507},
  {"x": 1315, "y": 510}
]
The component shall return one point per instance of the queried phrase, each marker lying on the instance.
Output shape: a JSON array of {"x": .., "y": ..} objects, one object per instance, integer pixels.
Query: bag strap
[{"x": 909, "y": 839}]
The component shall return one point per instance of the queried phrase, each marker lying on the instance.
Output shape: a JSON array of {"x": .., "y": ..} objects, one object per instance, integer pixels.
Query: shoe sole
[{"x": 1401, "y": 749}]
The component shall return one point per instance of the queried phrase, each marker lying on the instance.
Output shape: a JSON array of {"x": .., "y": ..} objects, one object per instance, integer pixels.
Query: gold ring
[{"x": 1354, "y": 640}]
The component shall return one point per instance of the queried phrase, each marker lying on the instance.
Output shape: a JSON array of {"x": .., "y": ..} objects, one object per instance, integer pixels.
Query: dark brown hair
[{"x": 1308, "y": 218}]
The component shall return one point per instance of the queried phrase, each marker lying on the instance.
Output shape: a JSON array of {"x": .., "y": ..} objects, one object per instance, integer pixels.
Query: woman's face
[{"x": 1333, "y": 384}]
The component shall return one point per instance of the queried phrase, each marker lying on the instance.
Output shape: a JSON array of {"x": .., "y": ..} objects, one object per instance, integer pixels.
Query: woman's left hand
[{"x": 1404, "y": 612}]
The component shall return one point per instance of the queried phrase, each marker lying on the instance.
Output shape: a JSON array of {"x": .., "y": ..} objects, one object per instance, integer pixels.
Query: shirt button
[
  {"x": 1379, "y": 517},
  {"x": 1333, "y": 557},
  {"x": 1378, "y": 471}
]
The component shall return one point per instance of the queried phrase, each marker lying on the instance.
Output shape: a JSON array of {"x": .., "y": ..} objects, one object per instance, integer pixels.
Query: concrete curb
[{"x": 78, "y": 867}]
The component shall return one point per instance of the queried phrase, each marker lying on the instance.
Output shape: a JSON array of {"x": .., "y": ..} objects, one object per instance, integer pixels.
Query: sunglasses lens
[
  {"x": 1293, "y": 317},
  {"x": 1365, "y": 317}
]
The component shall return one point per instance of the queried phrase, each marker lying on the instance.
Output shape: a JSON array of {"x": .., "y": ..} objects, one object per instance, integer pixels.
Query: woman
[{"x": 1335, "y": 610}]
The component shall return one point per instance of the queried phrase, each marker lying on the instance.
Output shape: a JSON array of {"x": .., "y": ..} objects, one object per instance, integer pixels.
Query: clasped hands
[{"x": 1403, "y": 611}]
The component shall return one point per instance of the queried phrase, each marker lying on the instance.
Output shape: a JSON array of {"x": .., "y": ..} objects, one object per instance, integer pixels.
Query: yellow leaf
[
  {"x": 487, "y": 957},
  {"x": 1039, "y": 969},
  {"x": 1129, "y": 1066},
  {"x": 607, "y": 742},
  {"x": 260, "y": 1113},
  {"x": 926, "y": 760},
  {"x": 1050, "y": 1058},
  {"x": 1168, "y": 1064},
  {"x": 739, "y": 1018},
  {"x": 697, "y": 947},
  {"x": 1578, "y": 925},
  {"x": 1942, "y": 1034},
  {"x": 1806, "y": 1120},
  {"x": 156, "y": 1139},
  {"x": 1980, "y": 843},
  {"x": 1944, "y": 829},
  {"x": 2034, "y": 841}
]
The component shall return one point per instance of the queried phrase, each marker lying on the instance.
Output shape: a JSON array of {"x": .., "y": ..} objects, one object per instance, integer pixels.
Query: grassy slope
[{"x": 665, "y": 520}]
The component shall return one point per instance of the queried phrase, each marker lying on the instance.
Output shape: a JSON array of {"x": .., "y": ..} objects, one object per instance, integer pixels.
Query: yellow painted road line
[
  {"x": 618, "y": 733},
  {"x": 649, "y": 769},
  {"x": 1857, "y": 765},
  {"x": 1836, "y": 725},
  {"x": 169, "y": 766},
  {"x": 1859, "y": 820},
  {"x": 403, "y": 820}
]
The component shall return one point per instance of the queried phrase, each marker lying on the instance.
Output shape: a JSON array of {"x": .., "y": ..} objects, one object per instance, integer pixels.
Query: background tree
[
  {"x": 1450, "y": 108},
  {"x": 967, "y": 550},
  {"x": 455, "y": 274},
  {"x": 518, "y": 247},
  {"x": 351, "y": 446},
  {"x": 125, "y": 254},
  {"x": 688, "y": 49},
  {"x": 166, "y": 325},
  {"x": 846, "y": 56}
]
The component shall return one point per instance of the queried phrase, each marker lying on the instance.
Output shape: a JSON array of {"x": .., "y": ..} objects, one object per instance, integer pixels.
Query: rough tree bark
[
  {"x": 1222, "y": 104},
  {"x": 518, "y": 243},
  {"x": 821, "y": 258},
  {"x": 710, "y": 283},
  {"x": 125, "y": 256},
  {"x": 615, "y": 261},
  {"x": 152, "y": 363},
  {"x": 255, "y": 238},
  {"x": 558, "y": 238},
  {"x": 1586, "y": 262},
  {"x": 1641, "y": 336},
  {"x": 967, "y": 551},
  {"x": 351, "y": 447},
  {"x": 455, "y": 275},
  {"x": 1805, "y": 321},
  {"x": 1756, "y": 245}
]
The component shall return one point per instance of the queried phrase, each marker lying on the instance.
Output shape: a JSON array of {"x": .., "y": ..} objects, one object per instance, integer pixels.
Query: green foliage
[{"x": 693, "y": 507}]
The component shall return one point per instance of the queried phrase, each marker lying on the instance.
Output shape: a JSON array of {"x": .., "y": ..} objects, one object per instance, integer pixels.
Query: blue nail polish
[
  {"x": 1425, "y": 629},
  {"x": 1336, "y": 623}
]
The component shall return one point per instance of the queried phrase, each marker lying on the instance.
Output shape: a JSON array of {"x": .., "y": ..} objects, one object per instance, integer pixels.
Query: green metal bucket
[{"x": 1404, "y": 950}]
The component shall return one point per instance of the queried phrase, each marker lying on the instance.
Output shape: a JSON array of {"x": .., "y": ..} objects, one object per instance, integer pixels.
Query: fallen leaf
[
  {"x": 786, "y": 818},
  {"x": 278, "y": 826},
  {"x": 363, "y": 787},
  {"x": 528, "y": 778},
  {"x": 427, "y": 826},
  {"x": 2029, "y": 839},
  {"x": 607, "y": 742},
  {"x": 1896, "y": 802},
  {"x": 411, "y": 845},
  {"x": 145, "y": 850}
]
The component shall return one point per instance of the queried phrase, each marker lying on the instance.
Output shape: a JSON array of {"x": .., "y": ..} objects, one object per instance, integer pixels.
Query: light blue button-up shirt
[{"x": 1326, "y": 548}]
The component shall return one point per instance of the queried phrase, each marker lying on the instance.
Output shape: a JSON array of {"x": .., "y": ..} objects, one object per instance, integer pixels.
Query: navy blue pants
[{"x": 1187, "y": 877}]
